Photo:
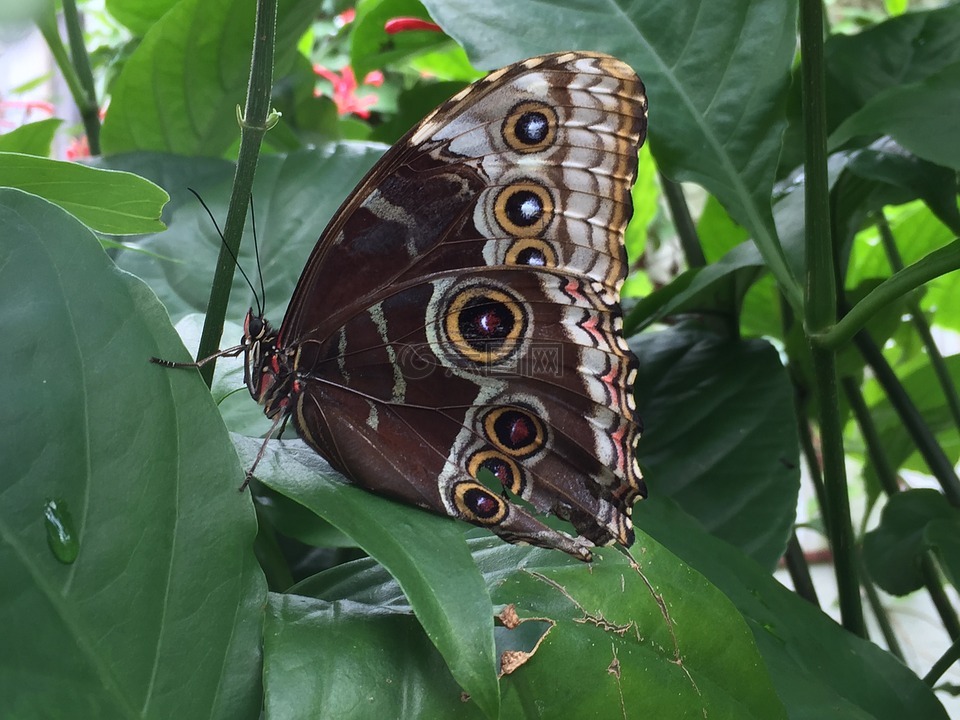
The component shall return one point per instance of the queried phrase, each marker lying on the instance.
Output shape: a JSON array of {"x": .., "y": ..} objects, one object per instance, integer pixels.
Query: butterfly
[{"x": 455, "y": 340}]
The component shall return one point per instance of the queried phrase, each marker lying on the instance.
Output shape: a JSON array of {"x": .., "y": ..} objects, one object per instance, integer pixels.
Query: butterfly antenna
[
  {"x": 232, "y": 256},
  {"x": 256, "y": 252}
]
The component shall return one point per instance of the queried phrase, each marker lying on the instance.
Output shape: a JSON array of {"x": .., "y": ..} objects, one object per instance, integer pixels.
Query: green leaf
[
  {"x": 371, "y": 48},
  {"x": 860, "y": 65},
  {"x": 718, "y": 233},
  {"x": 373, "y": 664},
  {"x": 913, "y": 114},
  {"x": 178, "y": 91},
  {"x": 716, "y": 76},
  {"x": 623, "y": 628},
  {"x": 139, "y": 15},
  {"x": 425, "y": 552},
  {"x": 615, "y": 628},
  {"x": 818, "y": 669},
  {"x": 112, "y": 202},
  {"x": 448, "y": 62},
  {"x": 888, "y": 164},
  {"x": 644, "y": 194},
  {"x": 943, "y": 537},
  {"x": 719, "y": 435},
  {"x": 159, "y": 615},
  {"x": 715, "y": 289},
  {"x": 900, "y": 51},
  {"x": 31, "y": 139},
  {"x": 911, "y": 524}
]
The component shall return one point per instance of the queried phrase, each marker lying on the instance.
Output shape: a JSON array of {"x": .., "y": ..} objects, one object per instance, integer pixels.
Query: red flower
[
  {"x": 345, "y": 90},
  {"x": 374, "y": 78},
  {"x": 27, "y": 108},
  {"x": 404, "y": 24},
  {"x": 78, "y": 148}
]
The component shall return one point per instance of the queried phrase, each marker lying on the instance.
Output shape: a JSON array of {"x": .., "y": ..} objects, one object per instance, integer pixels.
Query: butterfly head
[{"x": 268, "y": 373}]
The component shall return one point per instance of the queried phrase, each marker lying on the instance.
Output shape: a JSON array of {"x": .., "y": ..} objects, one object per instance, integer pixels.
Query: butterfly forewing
[{"x": 459, "y": 318}]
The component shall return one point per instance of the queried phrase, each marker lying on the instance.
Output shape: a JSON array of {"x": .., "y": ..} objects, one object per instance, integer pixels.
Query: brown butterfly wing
[{"x": 461, "y": 310}]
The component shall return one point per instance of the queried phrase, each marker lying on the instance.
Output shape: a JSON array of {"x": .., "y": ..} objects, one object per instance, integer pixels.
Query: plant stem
[
  {"x": 87, "y": 103},
  {"x": 837, "y": 511},
  {"x": 801, "y": 410},
  {"x": 47, "y": 24},
  {"x": 921, "y": 324},
  {"x": 939, "y": 464},
  {"x": 800, "y": 571},
  {"x": 939, "y": 262},
  {"x": 934, "y": 585},
  {"x": 683, "y": 222},
  {"x": 253, "y": 126},
  {"x": 880, "y": 613},
  {"x": 820, "y": 314},
  {"x": 943, "y": 664},
  {"x": 886, "y": 473}
]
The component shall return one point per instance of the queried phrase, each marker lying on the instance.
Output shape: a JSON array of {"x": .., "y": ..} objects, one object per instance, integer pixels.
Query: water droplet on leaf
[{"x": 61, "y": 535}]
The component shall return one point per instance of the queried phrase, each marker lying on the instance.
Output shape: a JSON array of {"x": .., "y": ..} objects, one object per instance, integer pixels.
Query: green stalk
[
  {"x": 941, "y": 601},
  {"x": 253, "y": 126},
  {"x": 886, "y": 473},
  {"x": 943, "y": 664},
  {"x": 813, "y": 461},
  {"x": 801, "y": 410},
  {"x": 87, "y": 104},
  {"x": 939, "y": 464},
  {"x": 820, "y": 314},
  {"x": 47, "y": 24},
  {"x": 683, "y": 222},
  {"x": 921, "y": 324},
  {"x": 939, "y": 262},
  {"x": 880, "y": 613},
  {"x": 76, "y": 69},
  {"x": 799, "y": 571}
]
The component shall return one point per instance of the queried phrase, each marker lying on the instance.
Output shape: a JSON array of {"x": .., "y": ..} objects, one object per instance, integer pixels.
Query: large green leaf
[
  {"x": 426, "y": 553},
  {"x": 612, "y": 632},
  {"x": 913, "y": 114},
  {"x": 119, "y": 203},
  {"x": 900, "y": 51},
  {"x": 819, "y": 669},
  {"x": 716, "y": 76},
  {"x": 906, "y": 177},
  {"x": 139, "y": 15},
  {"x": 348, "y": 660},
  {"x": 720, "y": 435},
  {"x": 715, "y": 289},
  {"x": 32, "y": 139},
  {"x": 912, "y": 524},
  {"x": 372, "y": 48},
  {"x": 159, "y": 614},
  {"x": 179, "y": 89}
]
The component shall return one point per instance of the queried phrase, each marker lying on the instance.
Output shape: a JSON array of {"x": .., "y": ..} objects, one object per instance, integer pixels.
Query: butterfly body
[{"x": 461, "y": 311}]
